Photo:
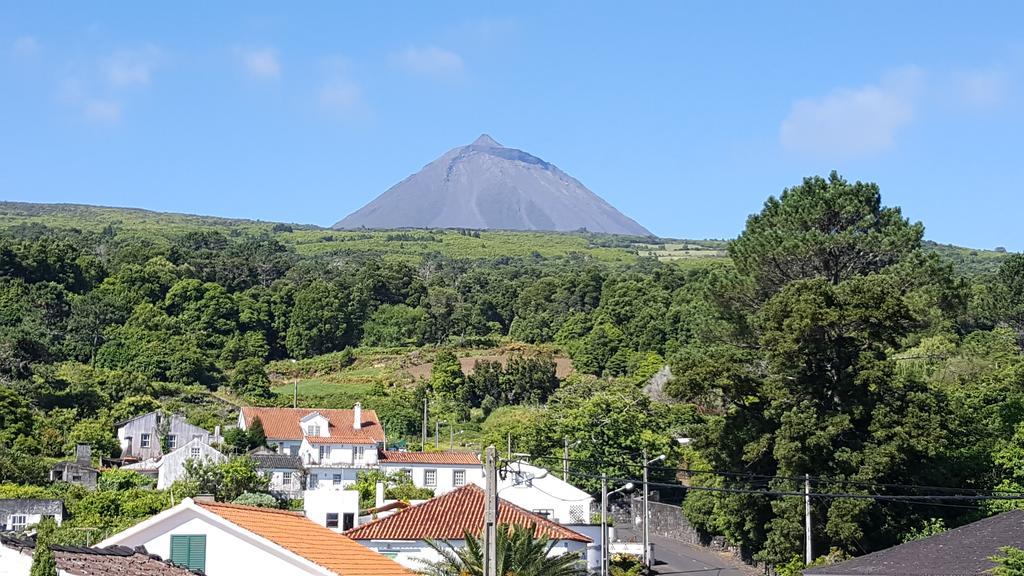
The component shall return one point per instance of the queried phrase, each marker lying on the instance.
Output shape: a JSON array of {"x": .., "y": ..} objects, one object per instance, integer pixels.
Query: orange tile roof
[
  {"x": 284, "y": 424},
  {"x": 295, "y": 532},
  {"x": 395, "y": 457},
  {"x": 450, "y": 516}
]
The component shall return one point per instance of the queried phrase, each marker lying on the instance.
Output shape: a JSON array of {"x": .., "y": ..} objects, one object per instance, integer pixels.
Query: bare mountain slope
[{"x": 487, "y": 186}]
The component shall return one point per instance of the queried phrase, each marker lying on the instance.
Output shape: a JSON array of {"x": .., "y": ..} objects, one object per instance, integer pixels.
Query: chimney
[
  {"x": 83, "y": 455},
  {"x": 357, "y": 417},
  {"x": 379, "y": 501},
  {"x": 216, "y": 435},
  {"x": 204, "y": 498}
]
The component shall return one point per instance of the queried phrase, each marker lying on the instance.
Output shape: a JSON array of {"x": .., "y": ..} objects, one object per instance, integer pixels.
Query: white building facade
[
  {"x": 228, "y": 540},
  {"x": 170, "y": 468},
  {"x": 441, "y": 472},
  {"x": 332, "y": 445},
  {"x": 537, "y": 490}
]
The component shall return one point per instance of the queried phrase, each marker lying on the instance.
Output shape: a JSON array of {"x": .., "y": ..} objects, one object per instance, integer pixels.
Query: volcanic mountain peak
[
  {"x": 486, "y": 140},
  {"x": 485, "y": 185}
]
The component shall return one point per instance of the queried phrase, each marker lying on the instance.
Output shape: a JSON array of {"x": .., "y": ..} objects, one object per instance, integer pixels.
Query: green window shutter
[
  {"x": 179, "y": 550},
  {"x": 197, "y": 552},
  {"x": 189, "y": 551}
]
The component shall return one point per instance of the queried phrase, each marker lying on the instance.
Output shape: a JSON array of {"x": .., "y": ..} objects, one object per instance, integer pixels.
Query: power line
[
  {"x": 908, "y": 498},
  {"x": 769, "y": 477}
]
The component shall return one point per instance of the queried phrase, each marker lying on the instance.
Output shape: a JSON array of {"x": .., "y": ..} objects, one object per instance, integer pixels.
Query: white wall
[
  {"x": 445, "y": 474},
  {"x": 14, "y": 563},
  {"x": 317, "y": 503},
  {"x": 227, "y": 553},
  {"x": 535, "y": 488},
  {"x": 413, "y": 553},
  {"x": 338, "y": 454},
  {"x": 325, "y": 477},
  {"x": 172, "y": 466}
]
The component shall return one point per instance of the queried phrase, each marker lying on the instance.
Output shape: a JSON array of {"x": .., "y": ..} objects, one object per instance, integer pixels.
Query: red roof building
[
  {"x": 285, "y": 424},
  {"x": 451, "y": 516}
]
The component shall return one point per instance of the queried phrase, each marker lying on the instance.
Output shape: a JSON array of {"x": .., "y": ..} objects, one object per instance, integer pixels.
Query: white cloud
[
  {"x": 261, "y": 62},
  {"x": 127, "y": 68},
  {"x": 983, "y": 88},
  {"x": 25, "y": 47},
  {"x": 342, "y": 97},
  {"x": 102, "y": 110},
  {"x": 73, "y": 93},
  {"x": 854, "y": 121},
  {"x": 429, "y": 61}
]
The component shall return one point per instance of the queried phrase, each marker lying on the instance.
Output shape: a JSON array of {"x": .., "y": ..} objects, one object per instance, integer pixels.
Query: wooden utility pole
[
  {"x": 807, "y": 519},
  {"x": 491, "y": 512}
]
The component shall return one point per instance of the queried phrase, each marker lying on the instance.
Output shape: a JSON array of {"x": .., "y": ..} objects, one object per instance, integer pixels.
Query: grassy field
[{"x": 411, "y": 245}]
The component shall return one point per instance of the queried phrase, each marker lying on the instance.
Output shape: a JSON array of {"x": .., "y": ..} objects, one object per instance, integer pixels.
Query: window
[
  {"x": 76, "y": 477},
  {"x": 313, "y": 430},
  {"x": 18, "y": 522},
  {"x": 194, "y": 451},
  {"x": 286, "y": 479},
  {"x": 172, "y": 441},
  {"x": 545, "y": 513},
  {"x": 332, "y": 519},
  {"x": 359, "y": 452},
  {"x": 336, "y": 479},
  {"x": 314, "y": 481},
  {"x": 324, "y": 452},
  {"x": 459, "y": 478},
  {"x": 430, "y": 478},
  {"x": 348, "y": 521},
  {"x": 293, "y": 450},
  {"x": 146, "y": 440},
  {"x": 189, "y": 551}
]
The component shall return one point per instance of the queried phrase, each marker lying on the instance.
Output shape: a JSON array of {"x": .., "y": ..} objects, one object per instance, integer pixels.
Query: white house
[
  {"x": 285, "y": 473},
  {"x": 16, "y": 560},
  {"x": 170, "y": 468},
  {"x": 448, "y": 518},
  {"x": 228, "y": 539},
  {"x": 333, "y": 445},
  {"x": 18, "y": 514},
  {"x": 540, "y": 492},
  {"x": 438, "y": 471},
  {"x": 332, "y": 507}
]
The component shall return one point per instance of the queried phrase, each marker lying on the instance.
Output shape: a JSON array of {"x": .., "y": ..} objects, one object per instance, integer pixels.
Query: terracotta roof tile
[
  {"x": 284, "y": 424},
  {"x": 394, "y": 457},
  {"x": 450, "y": 516},
  {"x": 304, "y": 537}
]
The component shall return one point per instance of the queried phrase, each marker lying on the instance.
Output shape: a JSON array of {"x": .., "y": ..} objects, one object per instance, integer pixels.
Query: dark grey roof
[
  {"x": 120, "y": 560},
  {"x": 266, "y": 460},
  {"x": 31, "y": 506},
  {"x": 963, "y": 551}
]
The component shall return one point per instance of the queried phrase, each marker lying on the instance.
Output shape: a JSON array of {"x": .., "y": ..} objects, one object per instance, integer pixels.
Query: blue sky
[{"x": 684, "y": 115}]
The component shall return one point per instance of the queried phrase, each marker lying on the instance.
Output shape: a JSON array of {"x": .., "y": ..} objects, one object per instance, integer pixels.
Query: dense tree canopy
[{"x": 833, "y": 342}]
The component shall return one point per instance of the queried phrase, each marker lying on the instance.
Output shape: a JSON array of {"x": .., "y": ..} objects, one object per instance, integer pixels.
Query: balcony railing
[{"x": 311, "y": 460}]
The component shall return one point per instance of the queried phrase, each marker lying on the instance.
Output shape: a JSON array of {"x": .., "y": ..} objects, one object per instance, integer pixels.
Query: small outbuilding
[
  {"x": 77, "y": 471},
  {"x": 18, "y": 514}
]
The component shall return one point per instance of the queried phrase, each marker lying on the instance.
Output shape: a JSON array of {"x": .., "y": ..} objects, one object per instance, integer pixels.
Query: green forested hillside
[{"x": 828, "y": 339}]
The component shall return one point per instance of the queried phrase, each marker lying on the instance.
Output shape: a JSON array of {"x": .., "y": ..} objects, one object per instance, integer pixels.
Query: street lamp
[
  {"x": 646, "y": 510},
  {"x": 604, "y": 518}
]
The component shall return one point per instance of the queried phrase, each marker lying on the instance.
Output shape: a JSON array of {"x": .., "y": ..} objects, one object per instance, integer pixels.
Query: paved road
[{"x": 675, "y": 557}]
